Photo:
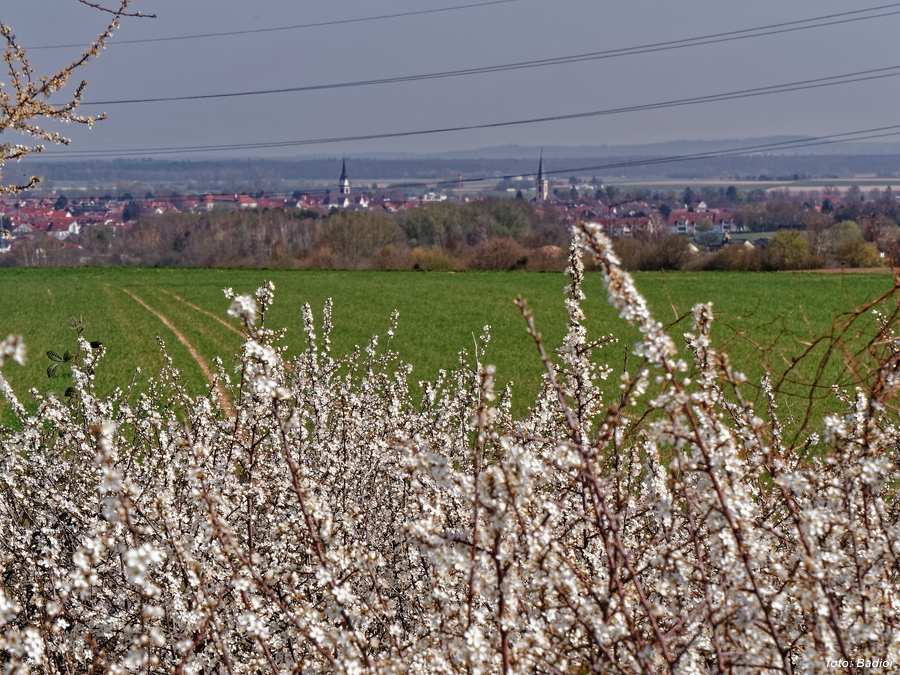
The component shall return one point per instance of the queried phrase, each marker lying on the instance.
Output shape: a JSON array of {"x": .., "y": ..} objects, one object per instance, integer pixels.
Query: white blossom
[
  {"x": 335, "y": 522},
  {"x": 244, "y": 307}
]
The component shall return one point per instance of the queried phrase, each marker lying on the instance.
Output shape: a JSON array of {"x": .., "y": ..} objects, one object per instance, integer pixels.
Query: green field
[{"x": 439, "y": 315}]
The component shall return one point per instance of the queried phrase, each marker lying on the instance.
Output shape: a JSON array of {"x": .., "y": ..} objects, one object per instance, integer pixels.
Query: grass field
[{"x": 439, "y": 314}]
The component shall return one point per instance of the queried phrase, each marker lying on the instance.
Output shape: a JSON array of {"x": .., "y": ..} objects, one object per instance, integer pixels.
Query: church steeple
[
  {"x": 541, "y": 184},
  {"x": 344, "y": 182}
]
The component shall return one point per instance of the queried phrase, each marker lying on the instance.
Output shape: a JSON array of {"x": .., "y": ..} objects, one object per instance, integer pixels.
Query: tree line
[
  {"x": 489, "y": 234},
  {"x": 802, "y": 230}
]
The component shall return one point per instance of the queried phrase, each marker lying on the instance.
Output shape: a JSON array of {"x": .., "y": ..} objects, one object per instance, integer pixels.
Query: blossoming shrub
[{"x": 332, "y": 523}]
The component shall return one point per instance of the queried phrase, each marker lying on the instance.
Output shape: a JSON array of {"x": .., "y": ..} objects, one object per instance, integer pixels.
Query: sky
[{"x": 491, "y": 34}]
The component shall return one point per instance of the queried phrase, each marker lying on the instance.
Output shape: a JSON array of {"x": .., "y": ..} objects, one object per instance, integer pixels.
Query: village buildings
[{"x": 26, "y": 217}]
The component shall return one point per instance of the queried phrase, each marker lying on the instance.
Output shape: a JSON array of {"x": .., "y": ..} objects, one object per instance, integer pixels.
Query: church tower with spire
[
  {"x": 344, "y": 183},
  {"x": 541, "y": 184}
]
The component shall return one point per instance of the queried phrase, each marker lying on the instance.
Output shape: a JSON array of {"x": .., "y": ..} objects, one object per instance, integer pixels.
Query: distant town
[{"x": 706, "y": 219}]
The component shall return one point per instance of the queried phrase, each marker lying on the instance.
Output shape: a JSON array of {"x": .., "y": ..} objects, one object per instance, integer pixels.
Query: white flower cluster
[
  {"x": 333, "y": 524},
  {"x": 244, "y": 307},
  {"x": 13, "y": 347}
]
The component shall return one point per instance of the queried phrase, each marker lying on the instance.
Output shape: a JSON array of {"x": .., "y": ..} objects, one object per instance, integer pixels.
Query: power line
[
  {"x": 729, "y": 36},
  {"x": 319, "y": 24},
  {"x": 830, "y": 139},
  {"x": 842, "y": 137},
  {"x": 816, "y": 83}
]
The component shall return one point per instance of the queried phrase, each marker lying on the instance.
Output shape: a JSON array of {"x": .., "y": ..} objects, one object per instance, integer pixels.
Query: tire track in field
[
  {"x": 204, "y": 366},
  {"x": 203, "y": 311}
]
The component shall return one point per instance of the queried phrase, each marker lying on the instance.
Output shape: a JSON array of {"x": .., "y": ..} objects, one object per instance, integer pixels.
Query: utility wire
[
  {"x": 830, "y": 139},
  {"x": 842, "y": 137},
  {"x": 336, "y": 22},
  {"x": 743, "y": 34},
  {"x": 816, "y": 83},
  {"x": 862, "y": 135}
]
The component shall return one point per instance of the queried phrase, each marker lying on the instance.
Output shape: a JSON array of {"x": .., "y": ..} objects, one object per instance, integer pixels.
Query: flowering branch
[{"x": 25, "y": 108}]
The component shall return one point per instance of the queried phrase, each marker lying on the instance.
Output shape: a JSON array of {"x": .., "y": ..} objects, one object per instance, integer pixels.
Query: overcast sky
[{"x": 513, "y": 31}]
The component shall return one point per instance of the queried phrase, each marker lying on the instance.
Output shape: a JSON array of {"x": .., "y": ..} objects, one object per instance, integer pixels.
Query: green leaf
[
  {"x": 96, "y": 344},
  {"x": 53, "y": 369},
  {"x": 70, "y": 392},
  {"x": 68, "y": 356},
  {"x": 54, "y": 356}
]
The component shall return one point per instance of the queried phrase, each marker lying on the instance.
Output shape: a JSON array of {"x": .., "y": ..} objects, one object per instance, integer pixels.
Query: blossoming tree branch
[
  {"x": 334, "y": 521},
  {"x": 25, "y": 107}
]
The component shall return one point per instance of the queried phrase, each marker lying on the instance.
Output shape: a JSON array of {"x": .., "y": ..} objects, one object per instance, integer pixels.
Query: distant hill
[
  {"x": 651, "y": 149},
  {"x": 608, "y": 163}
]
